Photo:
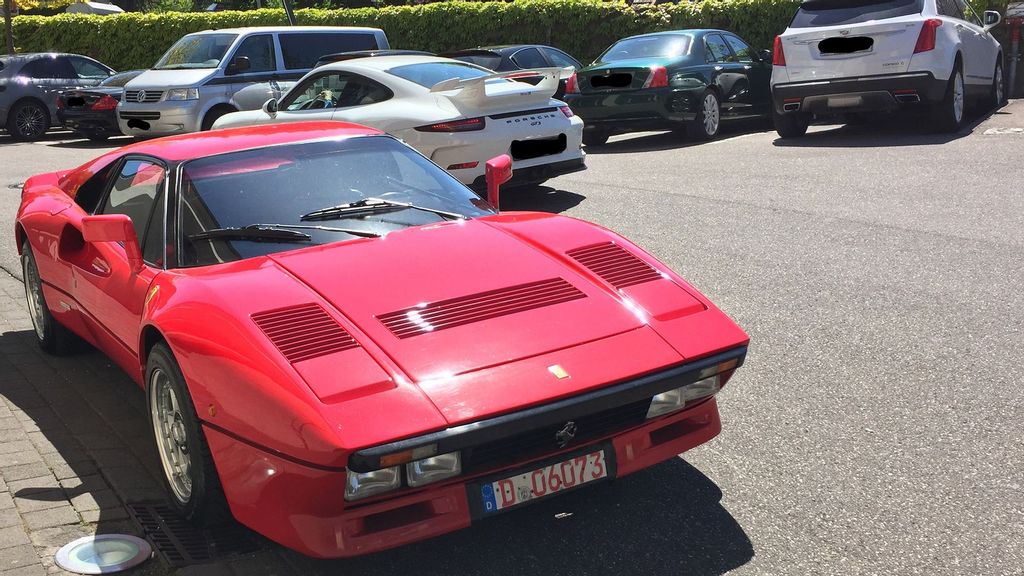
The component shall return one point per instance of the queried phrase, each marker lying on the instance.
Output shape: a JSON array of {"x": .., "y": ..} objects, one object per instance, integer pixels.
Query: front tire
[
  {"x": 51, "y": 335},
  {"x": 792, "y": 125},
  {"x": 998, "y": 94},
  {"x": 948, "y": 114},
  {"x": 28, "y": 121},
  {"x": 709, "y": 118},
  {"x": 190, "y": 477},
  {"x": 213, "y": 115}
]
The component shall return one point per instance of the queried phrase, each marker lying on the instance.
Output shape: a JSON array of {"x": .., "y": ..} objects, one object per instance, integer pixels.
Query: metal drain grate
[{"x": 180, "y": 543}]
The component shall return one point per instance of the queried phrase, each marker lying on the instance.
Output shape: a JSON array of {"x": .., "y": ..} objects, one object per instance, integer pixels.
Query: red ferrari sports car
[{"x": 348, "y": 350}]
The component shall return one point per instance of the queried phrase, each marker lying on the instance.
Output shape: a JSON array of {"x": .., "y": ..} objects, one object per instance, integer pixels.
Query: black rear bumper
[
  {"x": 102, "y": 123},
  {"x": 861, "y": 94}
]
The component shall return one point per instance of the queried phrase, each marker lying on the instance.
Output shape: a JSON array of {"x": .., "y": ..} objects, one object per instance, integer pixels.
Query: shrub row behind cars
[{"x": 582, "y": 28}]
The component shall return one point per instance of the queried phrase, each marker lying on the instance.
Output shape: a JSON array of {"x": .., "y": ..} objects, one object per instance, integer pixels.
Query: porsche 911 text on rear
[
  {"x": 333, "y": 354},
  {"x": 853, "y": 56}
]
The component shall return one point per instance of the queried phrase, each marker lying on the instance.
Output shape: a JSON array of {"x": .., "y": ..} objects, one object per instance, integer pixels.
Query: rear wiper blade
[
  {"x": 372, "y": 205},
  {"x": 253, "y": 232}
]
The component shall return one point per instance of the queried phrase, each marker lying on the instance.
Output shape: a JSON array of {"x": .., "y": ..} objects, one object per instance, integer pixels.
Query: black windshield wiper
[
  {"x": 255, "y": 233},
  {"x": 372, "y": 205}
]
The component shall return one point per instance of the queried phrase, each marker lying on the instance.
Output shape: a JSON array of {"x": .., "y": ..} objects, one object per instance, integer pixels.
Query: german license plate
[{"x": 551, "y": 479}]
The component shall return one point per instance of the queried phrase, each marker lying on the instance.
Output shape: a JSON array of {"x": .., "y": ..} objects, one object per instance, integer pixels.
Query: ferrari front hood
[{"x": 443, "y": 301}]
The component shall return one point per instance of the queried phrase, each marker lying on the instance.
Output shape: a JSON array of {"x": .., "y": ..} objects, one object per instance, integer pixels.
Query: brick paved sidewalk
[{"x": 75, "y": 446}]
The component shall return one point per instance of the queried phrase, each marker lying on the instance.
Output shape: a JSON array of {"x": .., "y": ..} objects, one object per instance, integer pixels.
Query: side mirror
[
  {"x": 238, "y": 65},
  {"x": 766, "y": 56},
  {"x": 498, "y": 170},
  {"x": 270, "y": 107},
  {"x": 992, "y": 18},
  {"x": 114, "y": 228}
]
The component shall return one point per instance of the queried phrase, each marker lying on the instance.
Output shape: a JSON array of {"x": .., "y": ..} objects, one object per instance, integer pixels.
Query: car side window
[
  {"x": 44, "y": 68},
  {"x": 561, "y": 59},
  {"x": 87, "y": 69},
  {"x": 336, "y": 90},
  {"x": 90, "y": 192},
  {"x": 529, "y": 58},
  {"x": 949, "y": 8},
  {"x": 717, "y": 49},
  {"x": 740, "y": 48},
  {"x": 134, "y": 193},
  {"x": 259, "y": 49}
]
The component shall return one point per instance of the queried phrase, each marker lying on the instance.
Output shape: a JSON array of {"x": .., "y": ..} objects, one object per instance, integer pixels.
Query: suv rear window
[
  {"x": 814, "y": 13},
  {"x": 302, "y": 50}
]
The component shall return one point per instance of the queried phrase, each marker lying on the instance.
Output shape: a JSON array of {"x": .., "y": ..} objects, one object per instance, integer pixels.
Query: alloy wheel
[
  {"x": 30, "y": 121},
  {"x": 34, "y": 296},
  {"x": 171, "y": 436},
  {"x": 958, "y": 96},
  {"x": 999, "y": 86},
  {"x": 711, "y": 115}
]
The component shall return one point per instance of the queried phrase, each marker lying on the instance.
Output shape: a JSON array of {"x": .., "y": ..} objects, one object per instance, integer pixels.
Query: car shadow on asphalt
[
  {"x": 667, "y": 519},
  {"x": 656, "y": 141},
  {"x": 539, "y": 199},
  {"x": 85, "y": 143},
  {"x": 887, "y": 130}
]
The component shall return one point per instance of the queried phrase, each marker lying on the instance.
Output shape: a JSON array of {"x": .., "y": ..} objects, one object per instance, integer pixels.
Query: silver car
[
  {"x": 29, "y": 84},
  {"x": 193, "y": 82}
]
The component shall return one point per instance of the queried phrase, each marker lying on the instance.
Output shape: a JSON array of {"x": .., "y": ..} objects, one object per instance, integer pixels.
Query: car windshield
[
  {"x": 430, "y": 73},
  {"x": 120, "y": 79},
  {"x": 246, "y": 204},
  {"x": 814, "y": 13},
  {"x": 660, "y": 46},
  {"x": 198, "y": 51}
]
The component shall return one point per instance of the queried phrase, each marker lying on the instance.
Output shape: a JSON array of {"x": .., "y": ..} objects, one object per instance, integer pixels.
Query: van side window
[
  {"x": 302, "y": 50},
  {"x": 259, "y": 49}
]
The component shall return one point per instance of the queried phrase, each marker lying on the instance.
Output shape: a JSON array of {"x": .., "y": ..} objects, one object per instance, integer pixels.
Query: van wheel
[
  {"x": 790, "y": 125},
  {"x": 28, "y": 120},
  {"x": 215, "y": 113},
  {"x": 948, "y": 114}
]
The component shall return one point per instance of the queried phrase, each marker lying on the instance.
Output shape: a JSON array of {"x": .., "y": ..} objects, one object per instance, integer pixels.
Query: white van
[{"x": 193, "y": 82}]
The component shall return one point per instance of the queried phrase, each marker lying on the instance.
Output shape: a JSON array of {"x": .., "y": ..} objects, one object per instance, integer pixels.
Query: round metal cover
[{"x": 103, "y": 554}]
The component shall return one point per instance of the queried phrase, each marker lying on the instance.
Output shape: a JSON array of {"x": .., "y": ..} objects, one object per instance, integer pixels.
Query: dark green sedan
[{"x": 692, "y": 79}]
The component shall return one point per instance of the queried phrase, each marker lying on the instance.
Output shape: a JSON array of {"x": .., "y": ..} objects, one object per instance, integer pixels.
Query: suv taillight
[
  {"x": 570, "y": 85},
  {"x": 467, "y": 125},
  {"x": 778, "y": 56},
  {"x": 105, "y": 103},
  {"x": 926, "y": 39},
  {"x": 658, "y": 78}
]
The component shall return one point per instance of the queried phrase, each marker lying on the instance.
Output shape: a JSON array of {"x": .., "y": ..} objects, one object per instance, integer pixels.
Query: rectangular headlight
[
  {"x": 360, "y": 485},
  {"x": 183, "y": 94},
  {"x": 433, "y": 469},
  {"x": 677, "y": 399}
]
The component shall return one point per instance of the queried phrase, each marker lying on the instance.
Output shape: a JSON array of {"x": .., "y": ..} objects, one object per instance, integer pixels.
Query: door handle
[
  {"x": 718, "y": 68},
  {"x": 100, "y": 267}
]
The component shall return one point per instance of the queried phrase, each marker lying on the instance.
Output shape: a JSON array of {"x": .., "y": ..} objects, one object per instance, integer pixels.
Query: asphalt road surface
[{"x": 876, "y": 427}]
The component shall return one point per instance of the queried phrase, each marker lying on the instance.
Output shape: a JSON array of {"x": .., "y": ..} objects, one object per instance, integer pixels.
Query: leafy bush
[{"x": 583, "y": 28}]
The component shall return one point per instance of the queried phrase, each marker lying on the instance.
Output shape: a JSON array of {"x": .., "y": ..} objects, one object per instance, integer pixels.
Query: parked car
[
  {"x": 253, "y": 97},
  {"x": 193, "y": 82},
  {"x": 455, "y": 113},
  {"x": 93, "y": 112},
  {"x": 519, "y": 57},
  {"x": 30, "y": 82},
  {"x": 885, "y": 55},
  {"x": 348, "y": 350}
]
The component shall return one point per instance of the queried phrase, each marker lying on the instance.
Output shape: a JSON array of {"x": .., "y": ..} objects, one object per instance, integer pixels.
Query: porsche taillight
[
  {"x": 106, "y": 103},
  {"x": 466, "y": 125},
  {"x": 566, "y": 111},
  {"x": 926, "y": 39},
  {"x": 571, "y": 86},
  {"x": 658, "y": 78},
  {"x": 778, "y": 56}
]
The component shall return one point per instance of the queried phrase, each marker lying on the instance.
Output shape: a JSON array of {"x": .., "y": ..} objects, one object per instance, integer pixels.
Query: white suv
[{"x": 842, "y": 56}]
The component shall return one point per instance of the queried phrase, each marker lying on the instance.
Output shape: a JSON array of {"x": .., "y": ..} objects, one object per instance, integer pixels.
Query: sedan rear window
[
  {"x": 659, "y": 46},
  {"x": 429, "y": 73},
  {"x": 814, "y": 13}
]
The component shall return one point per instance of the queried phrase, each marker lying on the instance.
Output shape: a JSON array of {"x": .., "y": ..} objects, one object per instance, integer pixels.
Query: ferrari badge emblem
[{"x": 566, "y": 434}]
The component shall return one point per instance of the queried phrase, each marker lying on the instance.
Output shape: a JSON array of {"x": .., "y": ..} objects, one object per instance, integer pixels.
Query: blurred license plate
[{"x": 543, "y": 481}]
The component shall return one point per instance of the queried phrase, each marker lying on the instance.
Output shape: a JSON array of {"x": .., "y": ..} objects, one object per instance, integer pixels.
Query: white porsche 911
[{"x": 457, "y": 114}]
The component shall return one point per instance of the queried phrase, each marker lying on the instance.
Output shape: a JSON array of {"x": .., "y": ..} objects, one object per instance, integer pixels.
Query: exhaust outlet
[
  {"x": 791, "y": 107},
  {"x": 908, "y": 98}
]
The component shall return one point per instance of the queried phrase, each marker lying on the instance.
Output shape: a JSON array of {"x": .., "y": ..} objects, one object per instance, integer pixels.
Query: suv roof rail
[{"x": 343, "y": 56}]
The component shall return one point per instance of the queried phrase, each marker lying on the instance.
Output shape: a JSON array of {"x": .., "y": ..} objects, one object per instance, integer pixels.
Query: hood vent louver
[
  {"x": 614, "y": 264},
  {"x": 477, "y": 307},
  {"x": 304, "y": 332}
]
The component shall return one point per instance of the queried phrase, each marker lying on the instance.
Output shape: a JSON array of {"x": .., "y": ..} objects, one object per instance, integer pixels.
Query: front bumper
[
  {"x": 303, "y": 507},
  {"x": 160, "y": 118},
  {"x": 649, "y": 109},
  {"x": 861, "y": 94}
]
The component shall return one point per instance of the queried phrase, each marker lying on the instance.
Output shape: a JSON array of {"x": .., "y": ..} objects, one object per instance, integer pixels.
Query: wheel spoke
[{"x": 172, "y": 436}]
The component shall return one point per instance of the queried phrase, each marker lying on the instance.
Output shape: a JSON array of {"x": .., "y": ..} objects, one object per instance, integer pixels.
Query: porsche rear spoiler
[{"x": 474, "y": 91}]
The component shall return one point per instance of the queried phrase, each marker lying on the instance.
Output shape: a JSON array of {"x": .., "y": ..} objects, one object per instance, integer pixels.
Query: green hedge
[{"x": 581, "y": 27}]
